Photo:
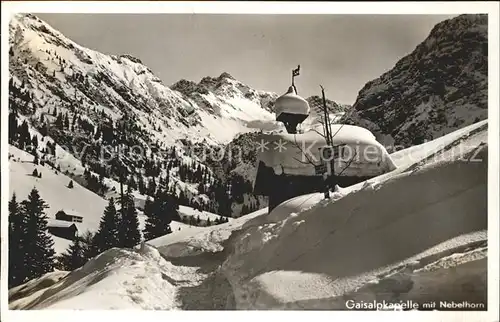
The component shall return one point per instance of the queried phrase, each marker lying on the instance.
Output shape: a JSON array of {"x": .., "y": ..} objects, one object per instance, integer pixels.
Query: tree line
[{"x": 31, "y": 247}]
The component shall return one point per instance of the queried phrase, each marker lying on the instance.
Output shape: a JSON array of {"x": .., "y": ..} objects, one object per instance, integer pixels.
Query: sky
[{"x": 340, "y": 52}]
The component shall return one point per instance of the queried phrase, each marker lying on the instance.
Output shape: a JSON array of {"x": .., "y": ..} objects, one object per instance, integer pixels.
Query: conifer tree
[
  {"x": 151, "y": 222},
  {"x": 38, "y": 246},
  {"x": 34, "y": 143},
  {"x": 132, "y": 183},
  {"x": 13, "y": 127},
  {"x": 74, "y": 257},
  {"x": 128, "y": 229},
  {"x": 160, "y": 215},
  {"x": 17, "y": 272},
  {"x": 151, "y": 187},
  {"x": 141, "y": 185},
  {"x": 107, "y": 234},
  {"x": 59, "y": 123},
  {"x": 44, "y": 129},
  {"x": 89, "y": 244},
  {"x": 66, "y": 121},
  {"x": 70, "y": 184}
]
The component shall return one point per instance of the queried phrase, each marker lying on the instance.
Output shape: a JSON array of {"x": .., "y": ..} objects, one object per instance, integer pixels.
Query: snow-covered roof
[
  {"x": 59, "y": 223},
  {"x": 298, "y": 154}
]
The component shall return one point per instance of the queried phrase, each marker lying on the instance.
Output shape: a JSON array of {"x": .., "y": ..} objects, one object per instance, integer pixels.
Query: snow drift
[{"x": 316, "y": 258}]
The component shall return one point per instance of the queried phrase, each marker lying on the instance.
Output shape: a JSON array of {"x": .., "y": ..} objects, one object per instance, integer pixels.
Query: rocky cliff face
[{"x": 441, "y": 86}]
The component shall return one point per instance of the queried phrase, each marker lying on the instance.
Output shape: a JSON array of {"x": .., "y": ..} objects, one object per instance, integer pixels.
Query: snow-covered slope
[
  {"x": 79, "y": 201},
  {"x": 88, "y": 102},
  {"x": 383, "y": 233},
  {"x": 59, "y": 73},
  {"x": 440, "y": 87},
  {"x": 417, "y": 233},
  {"x": 53, "y": 188}
]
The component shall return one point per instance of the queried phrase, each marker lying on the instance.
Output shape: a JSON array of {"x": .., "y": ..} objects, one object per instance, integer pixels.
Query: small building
[
  {"x": 61, "y": 215},
  {"x": 291, "y": 164},
  {"x": 63, "y": 229}
]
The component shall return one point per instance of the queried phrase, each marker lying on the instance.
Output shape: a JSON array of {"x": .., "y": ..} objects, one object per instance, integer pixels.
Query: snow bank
[
  {"x": 199, "y": 240},
  {"x": 34, "y": 288},
  {"x": 418, "y": 152},
  {"x": 116, "y": 279},
  {"x": 316, "y": 258}
]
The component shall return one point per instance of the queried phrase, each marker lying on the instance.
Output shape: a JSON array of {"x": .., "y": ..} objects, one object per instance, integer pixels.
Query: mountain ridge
[
  {"x": 111, "y": 99},
  {"x": 440, "y": 86}
]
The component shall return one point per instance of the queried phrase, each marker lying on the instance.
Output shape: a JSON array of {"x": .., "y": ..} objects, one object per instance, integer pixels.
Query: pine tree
[
  {"x": 17, "y": 273},
  {"x": 89, "y": 245},
  {"x": 70, "y": 184},
  {"x": 13, "y": 127},
  {"x": 149, "y": 229},
  {"x": 73, "y": 121},
  {"x": 35, "y": 173},
  {"x": 201, "y": 188},
  {"x": 74, "y": 257},
  {"x": 159, "y": 216},
  {"x": 39, "y": 246},
  {"x": 59, "y": 123},
  {"x": 44, "y": 129},
  {"x": 107, "y": 234},
  {"x": 132, "y": 183},
  {"x": 34, "y": 142},
  {"x": 128, "y": 229},
  {"x": 151, "y": 187},
  {"x": 66, "y": 121},
  {"x": 141, "y": 185}
]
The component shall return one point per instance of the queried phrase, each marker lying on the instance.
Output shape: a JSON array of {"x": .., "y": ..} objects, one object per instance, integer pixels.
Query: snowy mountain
[
  {"x": 56, "y": 72},
  {"x": 88, "y": 104},
  {"x": 439, "y": 87},
  {"x": 386, "y": 240}
]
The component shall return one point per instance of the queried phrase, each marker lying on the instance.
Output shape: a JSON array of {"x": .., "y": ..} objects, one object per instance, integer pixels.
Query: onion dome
[
  {"x": 291, "y": 103},
  {"x": 291, "y": 109}
]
